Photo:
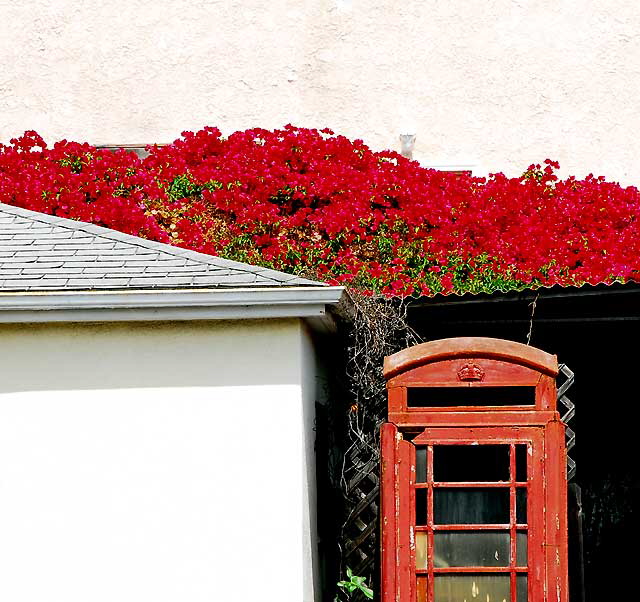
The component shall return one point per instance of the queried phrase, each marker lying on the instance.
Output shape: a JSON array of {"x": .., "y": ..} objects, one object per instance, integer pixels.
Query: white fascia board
[{"x": 144, "y": 305}]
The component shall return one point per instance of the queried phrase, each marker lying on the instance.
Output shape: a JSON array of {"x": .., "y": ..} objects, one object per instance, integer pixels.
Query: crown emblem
[{"x": 470, "y": 371}]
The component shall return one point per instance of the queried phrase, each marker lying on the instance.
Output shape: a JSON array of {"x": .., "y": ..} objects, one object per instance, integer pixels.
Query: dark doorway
[{"x": 594, "y": 330}]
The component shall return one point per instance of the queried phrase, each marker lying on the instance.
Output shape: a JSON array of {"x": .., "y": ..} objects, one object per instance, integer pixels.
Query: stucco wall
[
  {"x": 155, "y": 462},
  {"x": 309, "y": 555},
  {"x": 496, "y": 84}
]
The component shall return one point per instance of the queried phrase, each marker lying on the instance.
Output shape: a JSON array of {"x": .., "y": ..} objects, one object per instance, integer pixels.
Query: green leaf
[{"x": 356, "y": 582}]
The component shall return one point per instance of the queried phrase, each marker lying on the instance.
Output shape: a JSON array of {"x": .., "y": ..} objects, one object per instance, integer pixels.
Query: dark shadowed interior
[{"x": 594, "y": 330}]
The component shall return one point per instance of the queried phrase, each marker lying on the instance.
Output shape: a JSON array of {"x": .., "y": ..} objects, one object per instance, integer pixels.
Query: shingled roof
[{"x": 40, "y": 252}]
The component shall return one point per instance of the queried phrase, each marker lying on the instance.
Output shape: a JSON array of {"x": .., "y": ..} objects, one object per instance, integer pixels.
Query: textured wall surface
[
  {"x": 156, "y": 463},
  {"x": 497, "y": 84}
]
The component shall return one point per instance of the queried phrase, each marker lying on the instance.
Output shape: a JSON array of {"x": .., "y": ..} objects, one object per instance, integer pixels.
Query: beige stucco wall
[
  {"x": 495, "y": 84},
  {"x": 157, "y": 462}
]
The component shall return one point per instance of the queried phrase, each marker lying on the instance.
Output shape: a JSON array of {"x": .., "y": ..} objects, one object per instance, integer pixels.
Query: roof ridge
[{"x": 101, "y": 231}]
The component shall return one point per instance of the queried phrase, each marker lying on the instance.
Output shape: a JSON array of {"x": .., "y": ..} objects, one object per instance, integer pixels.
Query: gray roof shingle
[{"x": 40, "y": 252}]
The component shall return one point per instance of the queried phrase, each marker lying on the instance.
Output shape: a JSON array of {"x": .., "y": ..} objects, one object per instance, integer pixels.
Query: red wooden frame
[{"x": 473, "y": 362}]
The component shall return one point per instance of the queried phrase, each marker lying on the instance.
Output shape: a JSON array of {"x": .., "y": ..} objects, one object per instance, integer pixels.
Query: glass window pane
[
  {"x": 442, "y": 397},
  {"x": 421, "y": 507},
  {"x": 465, "y": 548},
  {"x": 470, "y": 463},
  {"x": 521, "y": 548},
  {"x": 471, "y": 506},
  {"x": 521, "y": 463},
  {"x": 521, "y": 506},
  {"x": 521, "y": 588},
  {"x": 421, "y": 465},
  {"x": 480, "y": 588},
  {"x": 421, "y": 550}
]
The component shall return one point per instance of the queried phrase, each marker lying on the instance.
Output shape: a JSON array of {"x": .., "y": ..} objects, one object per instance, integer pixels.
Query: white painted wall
[
  {"x": 310, "y": 394},
  {"x": 497, "y": 84},
  {"x": 156, "y": 462}
]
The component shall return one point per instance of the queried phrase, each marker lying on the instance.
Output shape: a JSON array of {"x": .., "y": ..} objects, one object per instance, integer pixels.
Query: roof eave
[{"x": 307, "y": 302}]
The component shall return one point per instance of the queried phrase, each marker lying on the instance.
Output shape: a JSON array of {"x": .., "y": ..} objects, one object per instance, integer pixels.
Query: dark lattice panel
[
  {"x": 360, "y": 530},
  {"x": 567, "y": 411}
]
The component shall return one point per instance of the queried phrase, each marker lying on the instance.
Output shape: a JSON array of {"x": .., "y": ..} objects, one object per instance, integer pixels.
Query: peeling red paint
[{"x": 537, "y": 426}]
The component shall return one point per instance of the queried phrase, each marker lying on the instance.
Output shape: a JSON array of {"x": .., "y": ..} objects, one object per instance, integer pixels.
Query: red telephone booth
[{"x": 473, "y": 483}]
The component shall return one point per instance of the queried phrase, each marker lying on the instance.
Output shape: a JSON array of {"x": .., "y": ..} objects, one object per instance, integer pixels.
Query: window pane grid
[
  {"x": 514, "y": 570},
  {"x": 512, "y": 512},
  {"x": 430, "y": 534},
  {"x": 474, "y": 526},
  {"x": 455, "y": 570}
]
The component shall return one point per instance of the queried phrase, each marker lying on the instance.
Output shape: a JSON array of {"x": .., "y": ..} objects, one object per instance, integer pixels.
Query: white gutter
[{"x": 307, "y": 302}]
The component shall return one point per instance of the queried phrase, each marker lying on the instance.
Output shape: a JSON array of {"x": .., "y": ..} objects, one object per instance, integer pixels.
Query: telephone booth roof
[
  {"x": 469, "y": 374},
  {"x": 470, "y": 347}
]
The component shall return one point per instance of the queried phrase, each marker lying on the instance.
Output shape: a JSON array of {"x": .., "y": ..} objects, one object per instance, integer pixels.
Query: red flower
[{"x": 311, "y": 201}]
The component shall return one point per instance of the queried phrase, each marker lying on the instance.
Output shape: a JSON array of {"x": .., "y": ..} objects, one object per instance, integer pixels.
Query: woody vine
[{"x": 377, "y": 328}]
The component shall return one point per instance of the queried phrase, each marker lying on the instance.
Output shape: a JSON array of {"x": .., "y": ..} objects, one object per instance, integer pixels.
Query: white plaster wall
[
  {"x": 310, "y": 394},
  {"x": 497, "y": 84},
  {"x": 154, "y": 462}
]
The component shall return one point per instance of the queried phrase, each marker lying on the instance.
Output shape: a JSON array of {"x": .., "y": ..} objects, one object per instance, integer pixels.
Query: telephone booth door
[{"x": 473, "y": 476}]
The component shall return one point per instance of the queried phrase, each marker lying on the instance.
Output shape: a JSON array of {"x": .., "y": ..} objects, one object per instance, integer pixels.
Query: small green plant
[{"x": 354, "y": 584}]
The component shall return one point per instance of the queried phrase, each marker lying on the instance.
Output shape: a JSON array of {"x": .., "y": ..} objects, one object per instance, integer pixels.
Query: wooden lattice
[{"x": 361, "y": 528}]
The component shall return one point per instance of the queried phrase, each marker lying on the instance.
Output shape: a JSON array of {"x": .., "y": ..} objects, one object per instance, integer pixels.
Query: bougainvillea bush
[{"x": 318, "y": 204}]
